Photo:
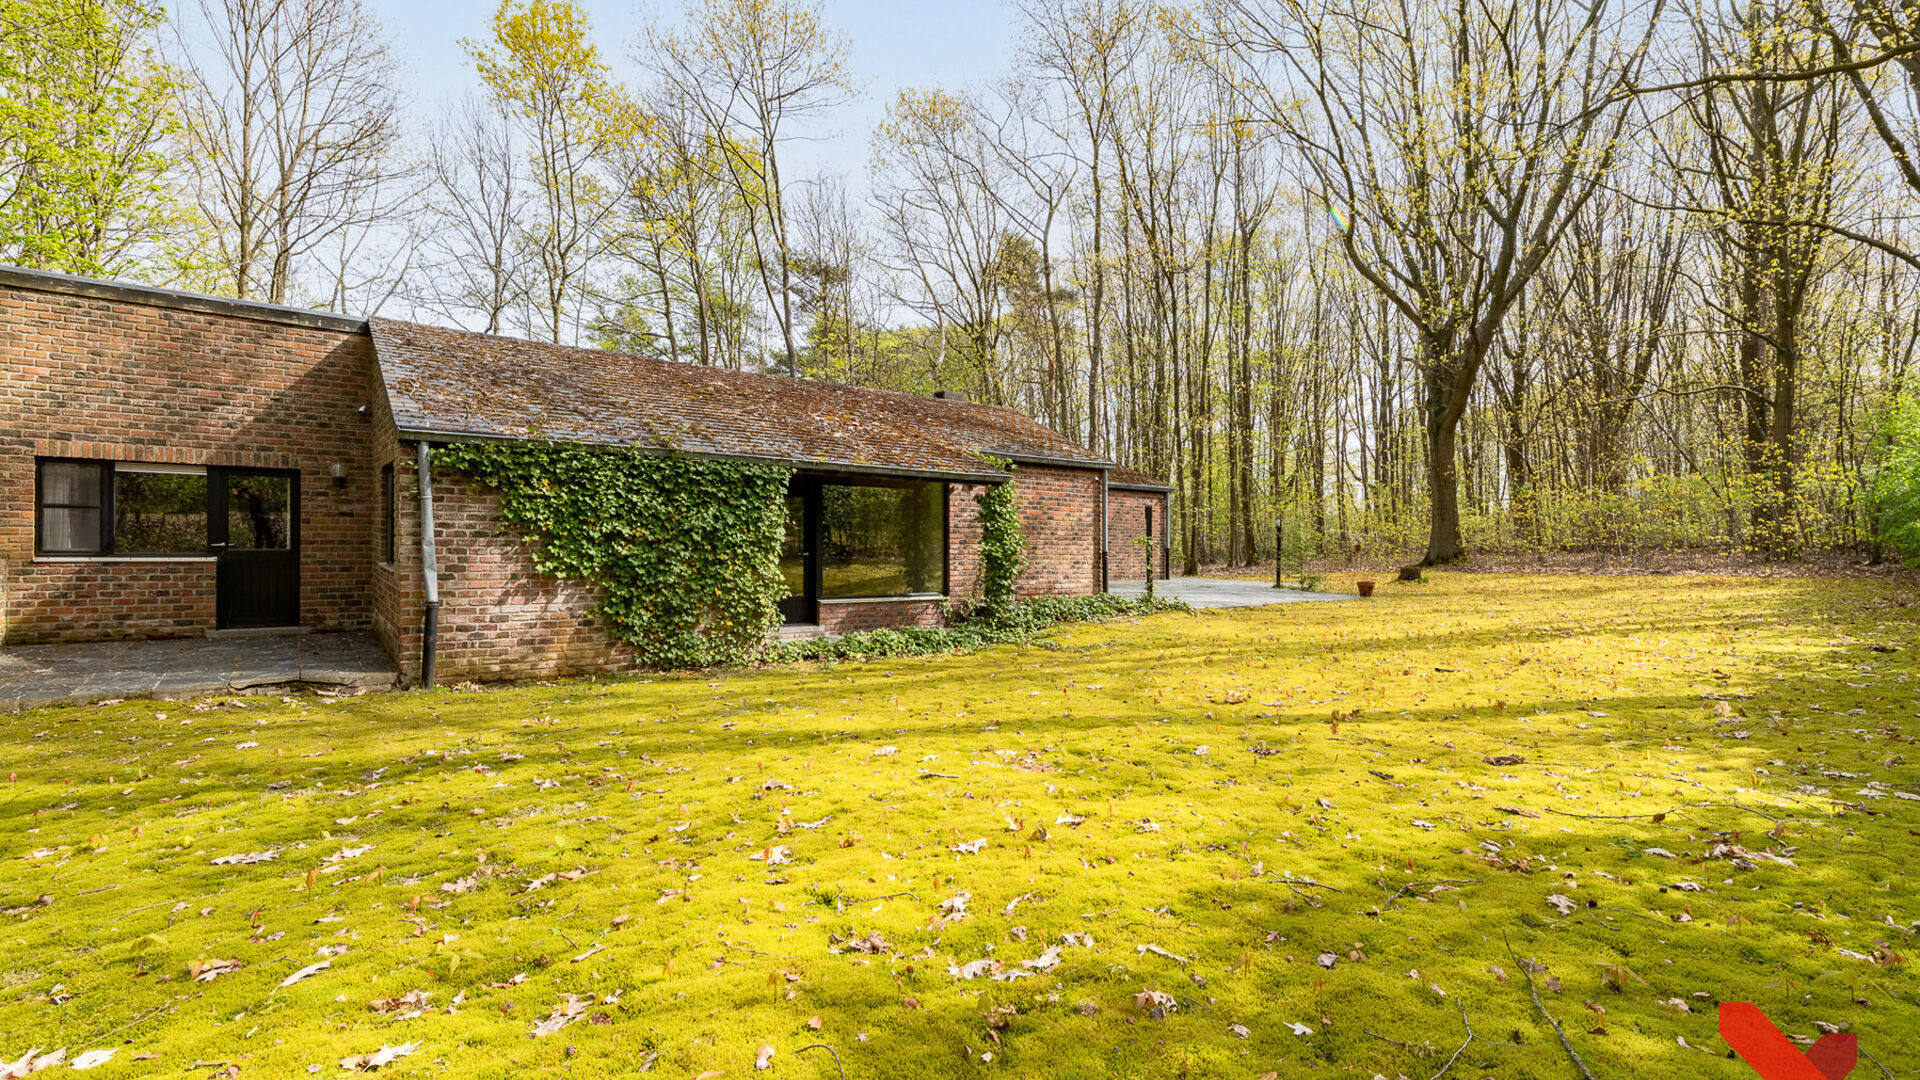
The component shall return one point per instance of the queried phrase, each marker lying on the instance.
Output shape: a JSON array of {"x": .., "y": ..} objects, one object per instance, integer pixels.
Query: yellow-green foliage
[{"x": 1755, "y": 712}]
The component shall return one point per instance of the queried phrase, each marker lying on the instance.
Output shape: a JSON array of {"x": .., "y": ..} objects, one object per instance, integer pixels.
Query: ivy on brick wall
[
  {"x": 685, "y": 550},
  {"x": 1003, "y": 545}
]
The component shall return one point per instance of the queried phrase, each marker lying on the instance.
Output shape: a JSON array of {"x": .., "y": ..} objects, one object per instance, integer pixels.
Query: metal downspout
[
  {"x": 1103, "y": 532},
  {"x": 430, "y": 569}
]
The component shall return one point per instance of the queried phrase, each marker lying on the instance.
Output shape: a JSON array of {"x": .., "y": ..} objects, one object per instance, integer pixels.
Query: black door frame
[
  {"x": 804, "y": 610},
  {"x": 229, "y": 561}
]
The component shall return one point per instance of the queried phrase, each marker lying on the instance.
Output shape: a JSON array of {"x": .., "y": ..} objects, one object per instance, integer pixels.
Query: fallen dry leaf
[
  {"x": 31, "y": 1062},
  {"x": 1154, "y": 1003},
  {"x": 205, "y": 970},
  {"x": 572, "y": 1007},
  {"x": 386, "y": 1055},
  {"x": 310, "y": 969},
  {"x": 247, "y": 859},
  {"x": 412, "y": 1003}
]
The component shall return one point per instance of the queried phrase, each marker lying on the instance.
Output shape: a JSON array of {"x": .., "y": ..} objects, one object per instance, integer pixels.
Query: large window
[
  {"x": 104, "y": 508},
  {"x": 882, "y": 541}
]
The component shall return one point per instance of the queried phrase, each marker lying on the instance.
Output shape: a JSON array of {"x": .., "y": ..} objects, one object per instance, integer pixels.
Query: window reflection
[
  {"x": 257, "y": 516},
  {"x": 159, "y": 513},
  {"x": 882, "y": 541},
  {"x": 793, "y": 549}
]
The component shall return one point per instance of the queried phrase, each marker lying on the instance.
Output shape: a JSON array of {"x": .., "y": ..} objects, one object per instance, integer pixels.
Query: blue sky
[{"x": 895, "y": 44}]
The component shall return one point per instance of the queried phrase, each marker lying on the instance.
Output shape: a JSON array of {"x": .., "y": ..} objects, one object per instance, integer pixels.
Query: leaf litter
[{"x": 1366, "y": 838}]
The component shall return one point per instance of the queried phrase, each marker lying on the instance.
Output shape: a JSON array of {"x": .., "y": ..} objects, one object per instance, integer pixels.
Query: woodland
[{"x": 1413, "y": 280}]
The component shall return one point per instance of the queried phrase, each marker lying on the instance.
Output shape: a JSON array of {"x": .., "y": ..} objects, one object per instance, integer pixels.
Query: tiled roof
[
  {"x": 454, "y": 383},
  {"x": 1122, "y": 476}
]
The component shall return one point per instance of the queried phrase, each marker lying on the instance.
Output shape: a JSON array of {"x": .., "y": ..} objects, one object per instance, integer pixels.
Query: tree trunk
[
  {"x": 1444, "y": 378},
  {"x": 1443, "y": 491},
  {"x": 1094, "y": 313}
]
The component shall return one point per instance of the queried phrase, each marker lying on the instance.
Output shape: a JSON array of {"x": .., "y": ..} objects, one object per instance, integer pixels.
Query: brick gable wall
[
  {"x": 118, "y": 380},
  {"x": 1126, "y": 523}
]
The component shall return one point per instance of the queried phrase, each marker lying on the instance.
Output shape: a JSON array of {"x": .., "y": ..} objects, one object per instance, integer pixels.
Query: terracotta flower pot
[{"x": 1365, "y": 587}]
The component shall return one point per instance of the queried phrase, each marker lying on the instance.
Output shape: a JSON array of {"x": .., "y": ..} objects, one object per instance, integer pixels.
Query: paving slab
[
  {"x": 33, "y": 675},
  {"x": 1204, "y": 592}
]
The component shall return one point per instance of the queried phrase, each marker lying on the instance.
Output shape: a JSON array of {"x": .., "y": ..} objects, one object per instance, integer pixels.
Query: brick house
[{"x": 174, "y": 464}]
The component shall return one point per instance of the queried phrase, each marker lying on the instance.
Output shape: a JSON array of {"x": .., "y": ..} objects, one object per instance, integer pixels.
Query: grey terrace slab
[
  {"x": 1203, "y": 592},
  {"x": 33, "y": 675}
]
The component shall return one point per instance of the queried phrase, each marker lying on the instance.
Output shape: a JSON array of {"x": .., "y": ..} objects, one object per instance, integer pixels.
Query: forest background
[{"x": 1412, "y": 279}]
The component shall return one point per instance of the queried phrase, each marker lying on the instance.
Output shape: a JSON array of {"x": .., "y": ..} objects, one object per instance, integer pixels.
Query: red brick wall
[
  {"x": 88, "y": 601},
  {"x": 501, "y": 619},
  {"x": 1060, "y": 514},
  {"x": 396, "y": 589},
  {"x": 120, "y": 380},
  {"x": 1126, "y": 522},
  {"x": 849, "y": 616}
]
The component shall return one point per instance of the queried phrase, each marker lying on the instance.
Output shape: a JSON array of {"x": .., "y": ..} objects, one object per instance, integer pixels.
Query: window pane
[
  {"x": 70, "y": 483},
  {"x": 257, "y": 516},
  {"x": 73, "y": 531},
  {"x": 159, "y": 513},
  {"x": 882, "y": 541},
  {"x": 793, "y": 549}
]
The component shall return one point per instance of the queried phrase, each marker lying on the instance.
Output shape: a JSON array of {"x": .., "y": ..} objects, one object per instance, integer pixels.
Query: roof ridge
[
  {"x": 52, "y": 281},
  {"x": 447, "y": 382},
  {"x": 725, "y": 372}
]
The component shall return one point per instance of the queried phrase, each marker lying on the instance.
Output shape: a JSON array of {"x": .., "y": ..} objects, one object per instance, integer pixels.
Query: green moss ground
[{"x": 663, "y": 791}]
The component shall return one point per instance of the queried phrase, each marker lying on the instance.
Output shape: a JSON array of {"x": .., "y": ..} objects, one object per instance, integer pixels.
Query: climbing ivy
[
  {"x": 1026, "y": 621},
  {"x": 685, "y": 550},
  {"x": 1003, "y": 545}
]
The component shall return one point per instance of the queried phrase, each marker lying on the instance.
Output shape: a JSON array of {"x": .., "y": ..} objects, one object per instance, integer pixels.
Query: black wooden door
[
  {"x": 800, "y": 554},
  {"x": 254, "y": 529}
]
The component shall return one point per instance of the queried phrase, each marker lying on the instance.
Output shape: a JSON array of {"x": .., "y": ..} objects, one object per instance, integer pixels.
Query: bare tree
[
  {"x": 290, "y": 131},
  {"x": 477, "y": 210},
  {"x": 543, "y": 69},
  {"x": 936, "y": 199},
  {"x": 828, "y": 231},
  {"x": 1087, "y": 47},
  {"x": 1023, "y": 134},
  {"x": 757, "y": 71},
  {"x": 1766, "y": 163},
  {"x": 1457, "y": 142}
]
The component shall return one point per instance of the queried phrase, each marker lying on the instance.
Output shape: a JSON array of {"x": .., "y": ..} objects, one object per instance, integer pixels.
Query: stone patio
[
  {"x": 1203, "y": 592},
  {"x": 190, "y": 667}
]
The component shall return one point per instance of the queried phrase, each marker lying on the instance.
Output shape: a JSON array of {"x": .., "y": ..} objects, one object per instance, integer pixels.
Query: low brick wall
[
  {"x": 851, "y": 616},
  {"x": 1060, "y": 515},
  {"x": 499, "y": 617},
  {"x": 97, "y": 600}
]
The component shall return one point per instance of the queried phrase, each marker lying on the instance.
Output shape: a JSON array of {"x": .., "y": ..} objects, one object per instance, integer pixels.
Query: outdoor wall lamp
[{"x": 339, "y": 474}]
